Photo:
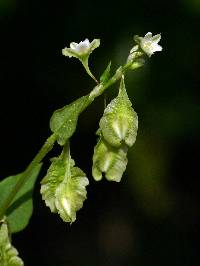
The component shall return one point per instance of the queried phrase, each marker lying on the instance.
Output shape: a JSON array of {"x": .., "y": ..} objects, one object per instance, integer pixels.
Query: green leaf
[
  {"x": 63, "y": 121},
  {"x": 63, "y": 188},
  {"x": 20, "y": 211},
  {"x": 109, "y": 160},
  {"x": 119, "y": 123},
  {"x": 106, "y": 74},
  {"x": 8, "y": 254}
]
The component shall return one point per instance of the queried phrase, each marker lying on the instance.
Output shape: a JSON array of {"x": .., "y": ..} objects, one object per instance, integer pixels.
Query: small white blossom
[
  {"x": 149, "y": 44},
  {"x": 82, "y": 49}
]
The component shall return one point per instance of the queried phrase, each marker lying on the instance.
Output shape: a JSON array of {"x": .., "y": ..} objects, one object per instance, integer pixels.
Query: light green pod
[
  {"x": 119, "y": 123},
  {"x": 109, "y": 160},
  {"x": 64, "y": 187},
  {"x": 8, "y": 254}
]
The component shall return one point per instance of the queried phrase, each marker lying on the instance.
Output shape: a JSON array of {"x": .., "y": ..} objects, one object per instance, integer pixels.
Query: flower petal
[
  {"x": 148, "y": 35},
  {"x": 156, "y": 38}
]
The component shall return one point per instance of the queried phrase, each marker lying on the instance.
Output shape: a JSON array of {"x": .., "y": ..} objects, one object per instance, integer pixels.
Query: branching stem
[{"x": 48, "y": 145}]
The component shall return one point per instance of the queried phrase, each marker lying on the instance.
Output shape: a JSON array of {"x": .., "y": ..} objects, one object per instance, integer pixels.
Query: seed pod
[
  {"x": 119, "y": 123},
  {"x": 8, "y": 254},
  {"x": 64, "y": 187},
  {"x": 109, "y": 160}
]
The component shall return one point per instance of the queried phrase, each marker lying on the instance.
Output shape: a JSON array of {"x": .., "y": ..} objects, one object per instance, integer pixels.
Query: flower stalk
[{"x": 145, "y": 45}]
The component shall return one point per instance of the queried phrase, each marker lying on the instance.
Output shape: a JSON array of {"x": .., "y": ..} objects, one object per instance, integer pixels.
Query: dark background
[{"x": 152, "y": 216}]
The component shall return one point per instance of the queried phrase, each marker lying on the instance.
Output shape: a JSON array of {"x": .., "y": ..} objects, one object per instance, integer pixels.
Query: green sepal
[
  {"x": 119, "y": 123},
  {"x": 64, "y": 187},
  {"x": 63, "y": 121},
  {"x": 109, "y": 160},
  {"x": 137, "y": 63},
  {"x": 106, "y": 74},
  {"x": 8, "y": 254},
  {"x": 136, "y": 58},
  {"x": 20, "y": 211}
]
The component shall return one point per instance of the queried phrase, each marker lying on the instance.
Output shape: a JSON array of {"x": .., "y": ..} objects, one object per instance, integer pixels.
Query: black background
[{"x": 152, "y": 216}]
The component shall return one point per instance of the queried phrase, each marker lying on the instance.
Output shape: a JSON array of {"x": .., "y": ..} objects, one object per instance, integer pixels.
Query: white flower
[
  {"x": 149, "y": 44},
  {"x": 82, "y": 49}
]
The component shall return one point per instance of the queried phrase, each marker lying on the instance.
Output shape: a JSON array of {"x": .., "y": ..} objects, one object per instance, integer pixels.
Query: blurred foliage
[
  {"x": 193, "y": 5},
  {"x": 148, "y": 174},
  {"x": 7, "y": 6}
]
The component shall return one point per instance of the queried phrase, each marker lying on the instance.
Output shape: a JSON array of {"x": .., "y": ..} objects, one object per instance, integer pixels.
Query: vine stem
[
  {"x": 100, "y": 88},
  {"x": 48, "y": 145},
  {"x": 67, "y": 158}
]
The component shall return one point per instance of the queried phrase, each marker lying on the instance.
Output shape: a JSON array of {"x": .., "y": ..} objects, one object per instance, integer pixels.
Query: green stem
[
  {"x": 100, "y": 88},
  {"x": 85, "y": 64},
  {"x": 48, "y": 145},
  {"x": 67, "y": 158}
]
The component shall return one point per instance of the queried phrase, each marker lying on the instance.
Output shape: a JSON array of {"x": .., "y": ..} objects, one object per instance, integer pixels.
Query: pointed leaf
[
  {"x": 63, "y": 121},
  {"x": 8, "y": 254},
  {"x": 106, "y": 74},
  {"x": 20, "y": 211}
]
